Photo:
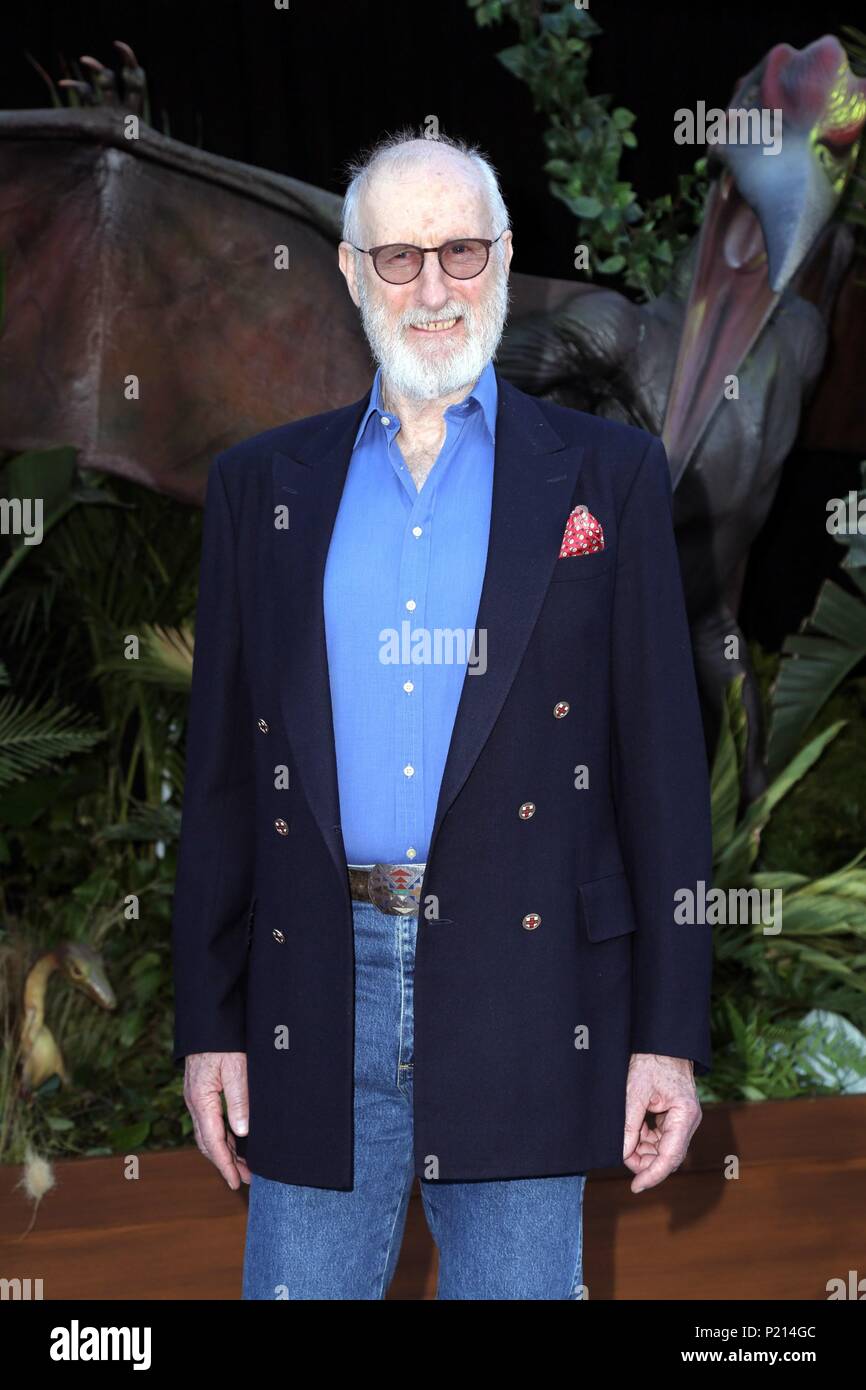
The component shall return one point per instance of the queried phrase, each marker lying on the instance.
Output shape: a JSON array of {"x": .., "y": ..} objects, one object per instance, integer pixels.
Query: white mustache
[{"x": 464, "y": 312}]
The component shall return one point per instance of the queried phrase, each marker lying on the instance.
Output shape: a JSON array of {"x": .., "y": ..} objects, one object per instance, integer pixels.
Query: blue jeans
[{"x": 515, "y": 1239}]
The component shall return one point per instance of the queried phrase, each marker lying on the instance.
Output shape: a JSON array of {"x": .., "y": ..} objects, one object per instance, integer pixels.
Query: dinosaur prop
[
  {"x": 735, "y": 309},
  {"x": 41, "y": 1058},
  {"x": 149, "y": 325}
]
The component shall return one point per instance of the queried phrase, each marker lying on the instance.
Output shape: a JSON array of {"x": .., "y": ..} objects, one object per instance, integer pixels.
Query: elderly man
[{"x": 446, "y": 792}]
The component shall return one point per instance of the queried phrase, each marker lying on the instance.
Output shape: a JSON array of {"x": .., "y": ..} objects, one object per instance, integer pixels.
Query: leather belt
[{"x": 393, "y": 888}]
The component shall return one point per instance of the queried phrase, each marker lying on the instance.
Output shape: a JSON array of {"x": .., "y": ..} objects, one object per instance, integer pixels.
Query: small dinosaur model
[{"x": 41, "y": 1058}]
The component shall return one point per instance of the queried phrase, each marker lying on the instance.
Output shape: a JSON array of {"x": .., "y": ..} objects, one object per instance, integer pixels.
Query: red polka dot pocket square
[{"x": 583, "y": 534}]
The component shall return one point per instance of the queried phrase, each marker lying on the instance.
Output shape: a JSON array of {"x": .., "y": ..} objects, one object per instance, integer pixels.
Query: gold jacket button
[
  {"x": 560, "y": 709},
  {"x": 282, "y": 826},
  {"x": 531, "y": 921},
  {"x": 263, "y": 726},
  {"x": 526, "y": 810},
  {"x": 278, "y": 936}
]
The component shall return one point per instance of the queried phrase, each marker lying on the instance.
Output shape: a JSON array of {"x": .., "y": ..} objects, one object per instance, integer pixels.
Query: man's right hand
[{"x": 206, "y": 1075}]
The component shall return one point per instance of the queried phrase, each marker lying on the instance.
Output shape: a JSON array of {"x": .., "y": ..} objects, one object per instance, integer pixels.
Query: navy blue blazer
[{"x": 523, "y": 1031}]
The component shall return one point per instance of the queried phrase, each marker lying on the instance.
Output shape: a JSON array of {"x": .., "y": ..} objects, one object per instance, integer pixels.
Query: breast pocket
[
  {"x": 571, "y": 567},
  {"x": 606, "y": 907}
]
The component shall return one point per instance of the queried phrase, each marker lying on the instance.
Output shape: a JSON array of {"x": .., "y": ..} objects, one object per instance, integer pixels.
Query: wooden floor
[{"x": 793, "y": 1218}]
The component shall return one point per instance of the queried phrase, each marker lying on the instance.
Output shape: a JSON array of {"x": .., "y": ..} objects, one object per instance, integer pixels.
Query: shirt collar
[{"x": 484, "y": 393}]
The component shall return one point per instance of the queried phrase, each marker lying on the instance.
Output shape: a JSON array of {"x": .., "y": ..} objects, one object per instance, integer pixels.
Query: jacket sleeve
[
  {"x": 660, "y": 776},
  {"x": 214, "y": 881}
]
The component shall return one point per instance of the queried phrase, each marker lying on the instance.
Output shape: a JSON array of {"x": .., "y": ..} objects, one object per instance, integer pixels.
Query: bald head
[
  {"x": 407, "y": 162},
  {"x": 407, "y": 190}
]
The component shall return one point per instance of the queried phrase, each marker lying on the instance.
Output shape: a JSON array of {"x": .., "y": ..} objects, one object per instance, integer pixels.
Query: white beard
[{"x": 419, "y": 377}]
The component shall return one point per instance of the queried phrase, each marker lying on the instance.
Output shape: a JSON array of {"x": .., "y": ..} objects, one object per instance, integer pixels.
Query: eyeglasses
[{"x": 399, "y": 263}]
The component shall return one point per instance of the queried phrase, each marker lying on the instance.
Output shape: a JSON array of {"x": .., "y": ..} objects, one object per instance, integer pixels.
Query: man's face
[{"x": 434, "y": 335}]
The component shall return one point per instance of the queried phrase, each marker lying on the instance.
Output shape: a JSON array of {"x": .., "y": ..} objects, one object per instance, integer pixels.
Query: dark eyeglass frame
[{"x": 374, "y": 251}]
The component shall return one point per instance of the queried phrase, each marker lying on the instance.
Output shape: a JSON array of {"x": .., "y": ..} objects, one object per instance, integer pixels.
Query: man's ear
[{"x": 346, "y": 260}]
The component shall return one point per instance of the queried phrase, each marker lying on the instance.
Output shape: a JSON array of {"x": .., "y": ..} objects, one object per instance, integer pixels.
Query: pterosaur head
[{"x": 784, "y": 153}]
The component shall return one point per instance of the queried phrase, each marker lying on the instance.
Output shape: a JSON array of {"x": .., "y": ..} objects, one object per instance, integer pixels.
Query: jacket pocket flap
[{"x": 607, "y": 907}]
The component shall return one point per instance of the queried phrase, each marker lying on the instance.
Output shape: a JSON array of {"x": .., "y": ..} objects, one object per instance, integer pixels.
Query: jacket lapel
[{"x": 534, "y": 478}]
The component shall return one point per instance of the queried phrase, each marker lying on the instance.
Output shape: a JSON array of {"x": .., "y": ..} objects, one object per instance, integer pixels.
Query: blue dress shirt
[{"x": 402, "y": 584}]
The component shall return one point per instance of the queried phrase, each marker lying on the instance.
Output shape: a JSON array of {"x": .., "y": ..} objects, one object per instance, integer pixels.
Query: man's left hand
[{"x": 663, "y": 1086}]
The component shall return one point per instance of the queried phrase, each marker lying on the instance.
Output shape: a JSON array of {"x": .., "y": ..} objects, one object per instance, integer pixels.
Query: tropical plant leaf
[
  {"x": 725, "y": 778},
  {"x": 153, "y": 824},
  {"x": 34, "y": 738},
  {"x": 745, "y": 844},
  {"x": 165, "y": 657},
  {"x": 830, "y": 644}
]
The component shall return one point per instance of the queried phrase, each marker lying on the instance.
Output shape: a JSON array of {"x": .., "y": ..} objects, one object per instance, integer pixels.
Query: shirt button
[
  {"x": 281, "y": 826},
  {"x": 560, "y": 709},
  {"x": 526, "y": 810},
  {"x": 411, "y": 605},
  {"x": 531, "y": 921},
  {"x": 263, "y": 726},
  {"x": 278, "y": 935},
  {"x": 416, "y": 530},
  {"x": 408, "y": 685},
  {"x": 385, "y": 419},
  {"x": 410, "y": 853},
  {"x": 409, "y": 770}
]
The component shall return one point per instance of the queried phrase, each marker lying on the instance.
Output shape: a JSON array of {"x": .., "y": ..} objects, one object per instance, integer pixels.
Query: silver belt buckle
[{"x": 396, "y": 888}]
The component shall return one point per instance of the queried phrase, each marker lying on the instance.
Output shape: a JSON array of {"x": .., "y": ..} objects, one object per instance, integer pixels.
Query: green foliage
[
  {"x": 767, "y": 1058},
  {"x": 34, "y": 738},
  {"x": 830, "y": 645},
  {"x": 93, "y": 821},
  {"x": 633, "y": 244},
  {"x": 736, "y": 842},
  {"x": 822, "y": 823},
  {"x": 769, "y": 973}
]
